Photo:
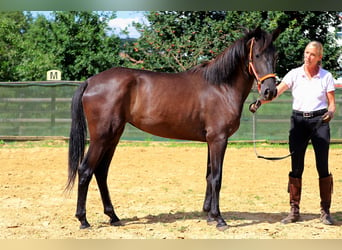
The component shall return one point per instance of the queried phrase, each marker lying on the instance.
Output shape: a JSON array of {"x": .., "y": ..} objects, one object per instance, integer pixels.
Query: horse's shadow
[{"x": 243, "y": 218}]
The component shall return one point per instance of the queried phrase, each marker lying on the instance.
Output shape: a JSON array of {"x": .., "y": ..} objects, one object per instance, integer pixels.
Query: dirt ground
[{"x": 158, "y": 193}]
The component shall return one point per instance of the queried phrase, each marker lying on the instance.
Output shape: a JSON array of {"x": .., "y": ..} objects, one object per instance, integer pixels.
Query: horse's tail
[{"x": 78, "y": 135}]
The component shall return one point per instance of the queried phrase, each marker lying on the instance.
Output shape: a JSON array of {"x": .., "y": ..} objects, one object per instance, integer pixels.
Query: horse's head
[{"x": 262, "y": 60}]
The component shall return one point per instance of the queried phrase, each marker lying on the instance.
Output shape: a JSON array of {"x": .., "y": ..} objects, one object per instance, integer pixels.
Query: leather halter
[{"x": 252, "y": 70}]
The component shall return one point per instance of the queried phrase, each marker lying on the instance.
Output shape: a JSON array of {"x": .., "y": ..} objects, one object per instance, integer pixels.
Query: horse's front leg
[
  {"x": 101, "y": 174},
  {"x": 216, "y": 150},
  {"x": 207, "y": 199}
]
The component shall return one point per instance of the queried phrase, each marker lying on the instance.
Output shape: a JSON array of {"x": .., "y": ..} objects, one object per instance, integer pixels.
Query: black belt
[{"x": 310, "y": 114}]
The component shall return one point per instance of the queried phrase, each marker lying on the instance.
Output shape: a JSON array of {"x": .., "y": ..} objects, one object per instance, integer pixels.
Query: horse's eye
[{"x": 257, "y": 55}]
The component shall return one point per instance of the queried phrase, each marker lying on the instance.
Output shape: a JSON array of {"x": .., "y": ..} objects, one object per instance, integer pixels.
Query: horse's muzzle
[
  {"x": 269, "y": 94},
  {"x": 268, "y": 87}
]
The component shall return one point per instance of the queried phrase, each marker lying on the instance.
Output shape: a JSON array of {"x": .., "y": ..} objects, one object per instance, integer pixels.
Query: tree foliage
[
  {"x": 80, "y": 44},
  {"x": 304, "y": 27},
  {"x": 178, "y": 40},
  {"x": 77, "y": 43},
  {"x": 13, "y": 26}
]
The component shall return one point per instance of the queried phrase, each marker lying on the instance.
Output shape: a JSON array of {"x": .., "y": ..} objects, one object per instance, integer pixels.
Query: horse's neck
[{"x": 242, "y": 87}]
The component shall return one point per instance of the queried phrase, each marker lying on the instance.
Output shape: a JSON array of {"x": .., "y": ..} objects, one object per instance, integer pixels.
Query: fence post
[
  {"x": 53, "y": 75},
  {"x": 53, "y": 110}
]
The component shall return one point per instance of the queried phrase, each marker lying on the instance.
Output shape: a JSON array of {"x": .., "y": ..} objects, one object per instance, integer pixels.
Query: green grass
[
  {"x": 338, "y": 216},
  {"x": 32, "y": 144}
]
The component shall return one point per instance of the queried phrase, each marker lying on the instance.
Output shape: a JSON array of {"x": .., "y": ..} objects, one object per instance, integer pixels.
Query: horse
[{"x": 203, "y": 103}]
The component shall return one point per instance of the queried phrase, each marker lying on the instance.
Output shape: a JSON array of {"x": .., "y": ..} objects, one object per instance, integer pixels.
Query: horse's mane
[{"x": 224, "y": 68}]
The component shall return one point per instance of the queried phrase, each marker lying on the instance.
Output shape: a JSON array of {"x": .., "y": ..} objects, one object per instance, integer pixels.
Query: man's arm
[{"x": 331, "y": 107}]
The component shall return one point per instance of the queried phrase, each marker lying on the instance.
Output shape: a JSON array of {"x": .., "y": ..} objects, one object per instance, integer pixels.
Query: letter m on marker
[{"x": 53, "y": 75}]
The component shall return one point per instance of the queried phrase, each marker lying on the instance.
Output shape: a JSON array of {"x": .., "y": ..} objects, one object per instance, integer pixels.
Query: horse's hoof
[
  {"x": 85, "y": 226},
  {"x": 211, "y": 222},
  {"x": 222, "y": 227},
  {"x": 116, "y": 223}
]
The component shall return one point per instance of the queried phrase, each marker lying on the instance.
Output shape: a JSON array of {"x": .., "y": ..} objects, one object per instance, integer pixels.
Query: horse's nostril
[{"x": 267, "y": 93}]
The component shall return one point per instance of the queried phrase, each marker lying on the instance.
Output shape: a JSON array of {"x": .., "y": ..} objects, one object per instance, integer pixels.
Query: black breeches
[{"x": 302, "y": 130}]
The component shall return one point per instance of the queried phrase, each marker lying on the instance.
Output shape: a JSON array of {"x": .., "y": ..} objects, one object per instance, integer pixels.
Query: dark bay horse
[{"x": 203, "y": 104}]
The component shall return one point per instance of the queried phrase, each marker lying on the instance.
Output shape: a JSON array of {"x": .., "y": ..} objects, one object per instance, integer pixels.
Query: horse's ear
[
  {"x": 276, "y": 33},
  {"x": 257, "y": 32}
]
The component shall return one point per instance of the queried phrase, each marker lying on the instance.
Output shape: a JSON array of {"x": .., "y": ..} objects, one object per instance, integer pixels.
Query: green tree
[
  {"x": 177, "y": 40},
  {"x": 36, "y": 50},
  {"x": 80, "y": 44},
  {"x": 13, "y": 26},
  {"x": 304, "y": 27},
  {"x": 83, "y": 46}
]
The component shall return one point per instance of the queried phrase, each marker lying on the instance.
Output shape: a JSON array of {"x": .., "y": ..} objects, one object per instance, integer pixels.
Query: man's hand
[
  {"x": 327, "y": 116},
  {"x": 254, "y": 106}
]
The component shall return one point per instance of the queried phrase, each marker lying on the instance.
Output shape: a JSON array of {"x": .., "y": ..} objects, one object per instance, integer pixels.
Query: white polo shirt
[{"x": 309, "y": 94}]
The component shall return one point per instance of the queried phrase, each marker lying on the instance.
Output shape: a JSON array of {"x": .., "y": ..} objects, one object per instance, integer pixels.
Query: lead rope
[{"x": 270, "y": 158}]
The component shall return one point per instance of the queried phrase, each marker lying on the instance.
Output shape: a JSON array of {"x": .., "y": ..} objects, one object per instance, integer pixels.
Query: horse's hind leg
[
  {"x": 95, "y": 155},
  {"x": 84, "y": 177},
  {"x": 101, "y": 174}
]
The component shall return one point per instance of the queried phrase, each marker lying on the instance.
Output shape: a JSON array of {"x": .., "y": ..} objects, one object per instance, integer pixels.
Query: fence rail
[
  {"x": 40, "y": 83},
  {"x": 34, "y": 99}
]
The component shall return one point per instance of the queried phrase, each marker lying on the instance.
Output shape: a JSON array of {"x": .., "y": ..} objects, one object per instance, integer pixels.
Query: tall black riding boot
[
  {"x": 295, "y": 190},
  {"x": 325, "y": 190}
]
